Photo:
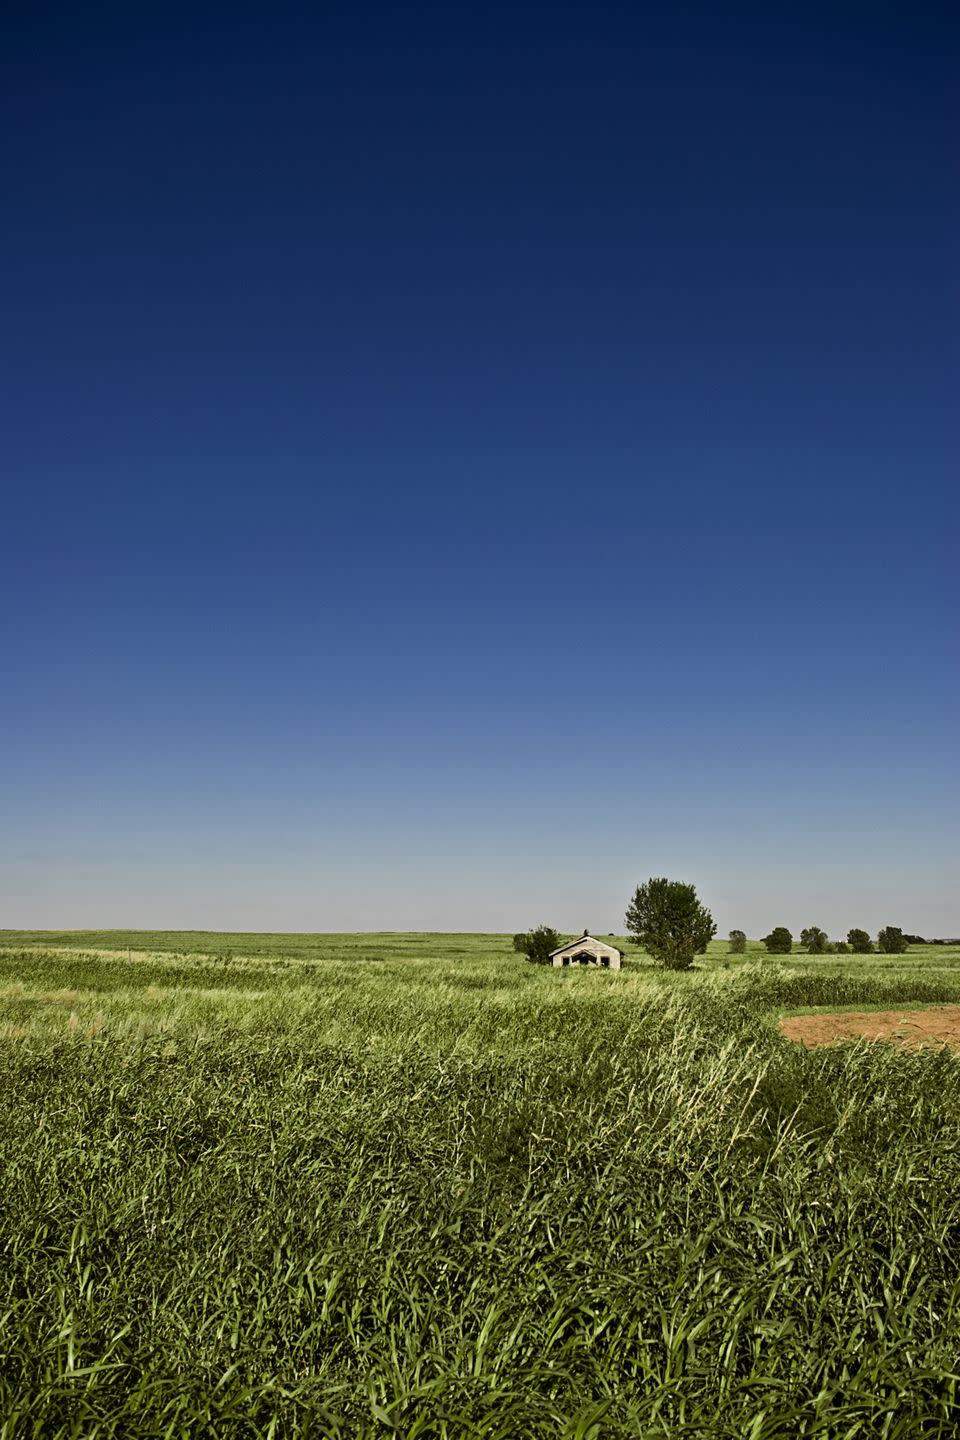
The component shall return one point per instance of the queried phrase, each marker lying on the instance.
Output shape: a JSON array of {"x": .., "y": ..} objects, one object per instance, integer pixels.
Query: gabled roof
[{"x": 575, "y": 944}]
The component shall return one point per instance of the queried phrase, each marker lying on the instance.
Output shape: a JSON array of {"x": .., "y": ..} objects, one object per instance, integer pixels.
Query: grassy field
[{"x": 408, "y": 1185}]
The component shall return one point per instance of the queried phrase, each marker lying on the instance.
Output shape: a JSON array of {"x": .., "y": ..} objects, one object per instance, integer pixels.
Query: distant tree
[
  {"x": 859, "y": 942},
  {"x": 667, "y": 919},
  {"x": 891, "y": 940},
  {"x": 738, "y": 942},
  {"x": 840, "y": 947},
  {"x": 914, "y": 939},
  {"x": 538, "y": 944},
  {"x": 815, "y": 940},
  {"x": 779, "y": 941}
]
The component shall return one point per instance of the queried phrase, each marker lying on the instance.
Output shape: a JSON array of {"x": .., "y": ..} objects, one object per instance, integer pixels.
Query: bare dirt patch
[{"x": 939, "y": 1025}]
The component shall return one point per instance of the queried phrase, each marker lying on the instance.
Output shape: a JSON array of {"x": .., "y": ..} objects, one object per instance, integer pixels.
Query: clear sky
[{"x": 460, "y": 460}]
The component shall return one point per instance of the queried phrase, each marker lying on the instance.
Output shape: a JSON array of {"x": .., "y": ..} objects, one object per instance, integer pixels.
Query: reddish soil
[{"x": 939, "y": 1025}]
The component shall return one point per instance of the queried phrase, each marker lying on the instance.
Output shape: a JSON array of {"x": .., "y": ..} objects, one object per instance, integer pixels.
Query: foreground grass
[{"x": 380, "y": 1185}]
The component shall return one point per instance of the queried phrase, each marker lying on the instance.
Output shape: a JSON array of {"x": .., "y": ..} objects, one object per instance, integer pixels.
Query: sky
[{"x": 458, "y": 461}]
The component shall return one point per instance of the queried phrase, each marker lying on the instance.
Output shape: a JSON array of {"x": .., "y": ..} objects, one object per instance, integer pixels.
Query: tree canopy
[
  {"x": 667, "y": 919},
  {"x": 779, "y": 941}
]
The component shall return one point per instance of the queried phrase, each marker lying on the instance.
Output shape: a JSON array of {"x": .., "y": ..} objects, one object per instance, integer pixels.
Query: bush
[
  {"x": 859, "y": 942},
  {"x": 840, "y": 947},
  {"x": 779, "y": 941},
  {"x": 738, "y": 942},
  {"x": 538, "y": 944},
  {"x": 891, "y": 940},
  {"x": 815, "y": 940}
]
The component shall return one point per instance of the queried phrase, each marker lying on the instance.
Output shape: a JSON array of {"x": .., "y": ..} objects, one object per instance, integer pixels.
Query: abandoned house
[{"x": 587, "y": 951}]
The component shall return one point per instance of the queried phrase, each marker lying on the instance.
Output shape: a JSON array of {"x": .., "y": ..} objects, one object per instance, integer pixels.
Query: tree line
[
  {"x": 665, "y": 918},
  {"x": 890, "y": 941}
]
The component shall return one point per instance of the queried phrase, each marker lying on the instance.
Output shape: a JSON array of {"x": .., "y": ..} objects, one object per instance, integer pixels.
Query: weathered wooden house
[{"x": 587, "y": 951}]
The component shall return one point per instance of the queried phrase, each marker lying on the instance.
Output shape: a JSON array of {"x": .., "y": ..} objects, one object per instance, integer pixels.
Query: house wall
[{"x": 593, "y": 947}]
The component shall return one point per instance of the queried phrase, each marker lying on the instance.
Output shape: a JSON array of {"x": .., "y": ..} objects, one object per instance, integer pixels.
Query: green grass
[{"x": 406, "y": 1185}]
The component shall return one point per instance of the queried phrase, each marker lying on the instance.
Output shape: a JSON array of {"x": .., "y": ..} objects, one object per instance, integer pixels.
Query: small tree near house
[{"x": 538, "y": 944}]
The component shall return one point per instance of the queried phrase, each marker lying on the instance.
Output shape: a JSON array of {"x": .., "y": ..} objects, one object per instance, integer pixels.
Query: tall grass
[{"x": 289, "y": 1195}]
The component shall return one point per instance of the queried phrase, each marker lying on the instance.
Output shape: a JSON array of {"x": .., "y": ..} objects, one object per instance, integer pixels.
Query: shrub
[
  {"x": 859, "y": 942},
  {"x": 738, "y": 942},
  {"x": 538, "y": 944},
  {"x": 779, "y": 941},
  {"x": 840, "y": 947}
]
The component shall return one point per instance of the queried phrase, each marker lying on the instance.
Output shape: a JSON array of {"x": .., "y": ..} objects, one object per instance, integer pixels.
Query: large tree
[
  {"x": 859, "y": 942},
  {"x": 815, "y": 940},
  {"x": 891, "y": 940},
  {"x": 667, "y": 920}
]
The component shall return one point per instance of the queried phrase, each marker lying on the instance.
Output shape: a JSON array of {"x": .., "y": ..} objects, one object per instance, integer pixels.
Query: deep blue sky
[{"x": 459, "y": 461}]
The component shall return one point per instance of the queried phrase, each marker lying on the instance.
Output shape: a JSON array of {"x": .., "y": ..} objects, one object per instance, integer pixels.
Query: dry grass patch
[{"x": 939, "y": 1025}]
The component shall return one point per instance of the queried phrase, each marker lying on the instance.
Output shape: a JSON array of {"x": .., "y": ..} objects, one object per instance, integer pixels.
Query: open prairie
[{"x": 394, "y": 1184}]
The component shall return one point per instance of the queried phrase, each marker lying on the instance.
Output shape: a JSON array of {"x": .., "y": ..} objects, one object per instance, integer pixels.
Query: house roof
[{"x": 576, "y": 943}]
